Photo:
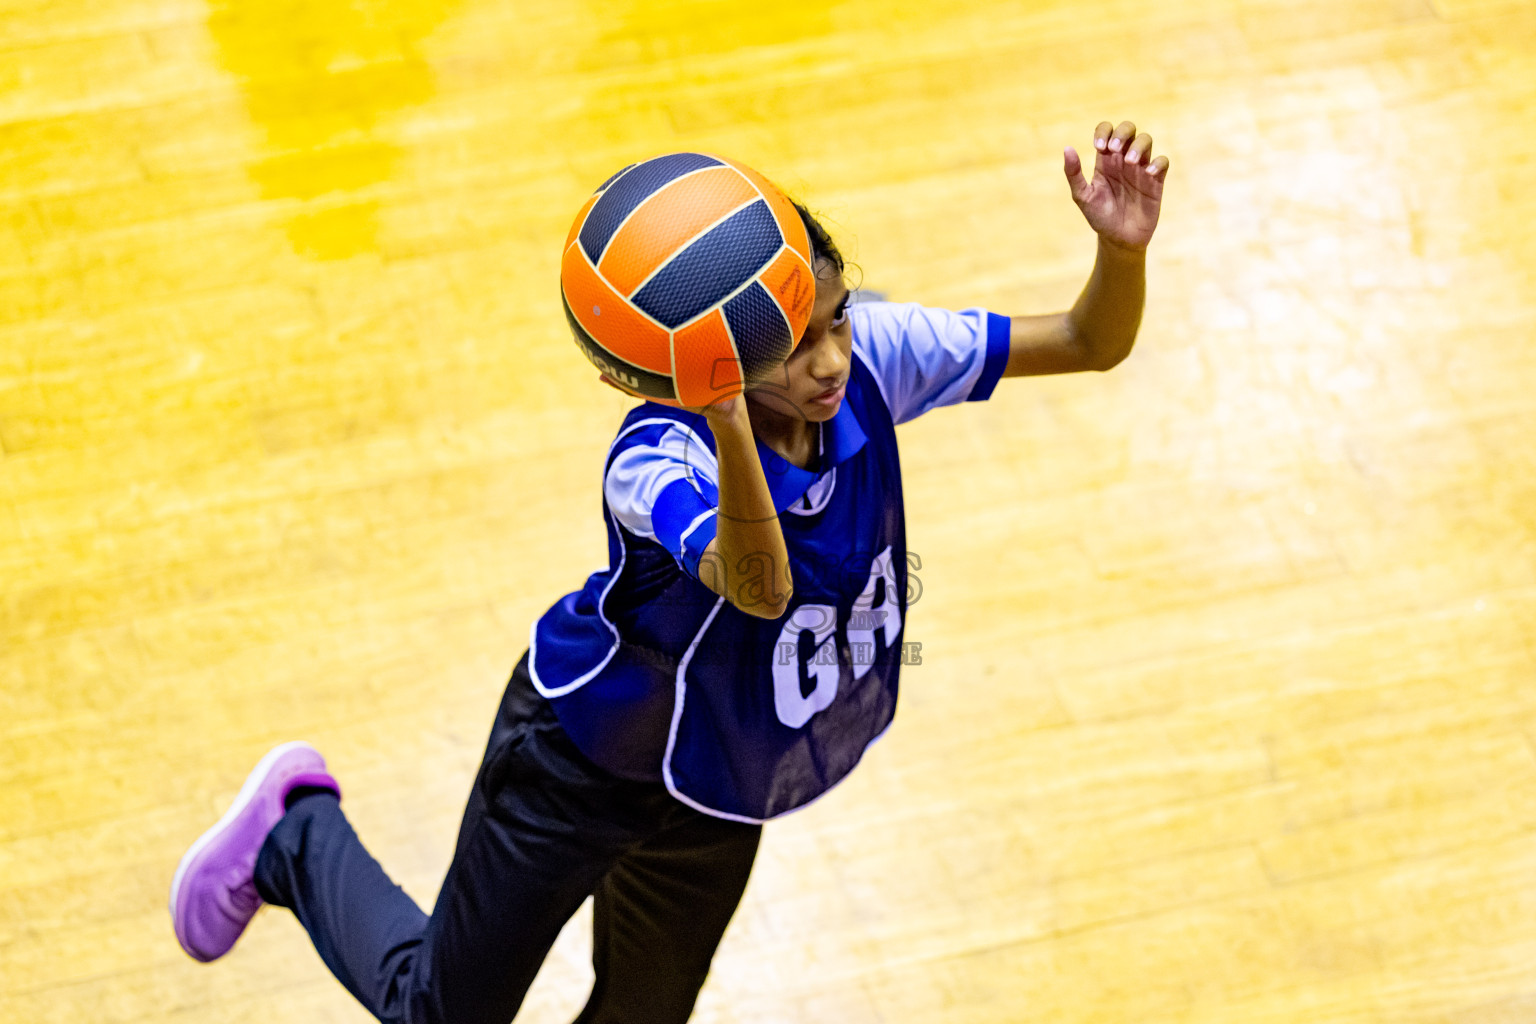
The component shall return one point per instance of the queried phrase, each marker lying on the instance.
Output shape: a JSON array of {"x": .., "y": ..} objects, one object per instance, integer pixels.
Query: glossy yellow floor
[{"x": 1228, "y": 695}]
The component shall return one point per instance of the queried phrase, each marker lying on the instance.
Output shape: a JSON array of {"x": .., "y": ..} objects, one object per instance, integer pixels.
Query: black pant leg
[
  {"x": 364, "y": 926},
  {"x": 661, "y": 913},
  {"x": 523, "y": 867},
  {"x": 541, "y": 828}
]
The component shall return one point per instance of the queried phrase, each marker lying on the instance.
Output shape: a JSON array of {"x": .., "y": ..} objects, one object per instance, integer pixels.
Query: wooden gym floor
[{"x": 1228, "y": 695}]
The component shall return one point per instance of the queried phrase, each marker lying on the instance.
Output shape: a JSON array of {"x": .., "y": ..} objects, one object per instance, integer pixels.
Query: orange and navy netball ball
[{"x": 686, "y": 278}]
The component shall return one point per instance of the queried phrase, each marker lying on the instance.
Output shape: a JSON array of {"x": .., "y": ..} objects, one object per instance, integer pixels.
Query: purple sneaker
[{"x": 213, "y": 896}]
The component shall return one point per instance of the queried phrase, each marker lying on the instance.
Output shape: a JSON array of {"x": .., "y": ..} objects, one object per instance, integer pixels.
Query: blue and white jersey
[{"x": 655, "y": 677}]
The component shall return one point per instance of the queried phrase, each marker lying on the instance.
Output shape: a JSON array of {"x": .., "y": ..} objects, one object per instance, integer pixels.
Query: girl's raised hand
[
  {"x": 731, "y": 410},
  {"x": 1122, "y": 201}
]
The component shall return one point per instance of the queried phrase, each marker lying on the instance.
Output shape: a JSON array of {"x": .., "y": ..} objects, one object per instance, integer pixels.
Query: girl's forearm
[
  {"x": 751, "y": 562},
  {"x": 1108, "y": 313}
]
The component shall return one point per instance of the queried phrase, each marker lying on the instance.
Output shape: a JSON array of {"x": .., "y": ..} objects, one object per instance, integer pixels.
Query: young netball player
[{"x": 732, "y": 664}]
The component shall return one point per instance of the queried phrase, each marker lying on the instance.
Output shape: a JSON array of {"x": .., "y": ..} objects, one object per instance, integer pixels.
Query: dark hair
[{"x": 822, "y": 246}]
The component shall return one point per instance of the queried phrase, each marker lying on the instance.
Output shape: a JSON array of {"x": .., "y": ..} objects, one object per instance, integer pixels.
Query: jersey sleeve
[
  {"x": 662, "y": 484},
  {"x": 923, "y": 358}
]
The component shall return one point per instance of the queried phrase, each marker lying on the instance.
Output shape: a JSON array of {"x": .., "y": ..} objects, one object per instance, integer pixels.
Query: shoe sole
[{"x": 242, "y": 800}]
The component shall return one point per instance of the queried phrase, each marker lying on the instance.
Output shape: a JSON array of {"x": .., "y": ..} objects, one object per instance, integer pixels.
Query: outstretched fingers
[
  {"x": 1113, "y": 139},
  {"x": 1134, "y": 148},
  {"x": 1140, "y": 155},
  {"x": 1122, "y": 200}
]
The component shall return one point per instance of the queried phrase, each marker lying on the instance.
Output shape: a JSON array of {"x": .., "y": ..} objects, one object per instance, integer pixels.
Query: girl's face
[{"x": 815, "y": 376}]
